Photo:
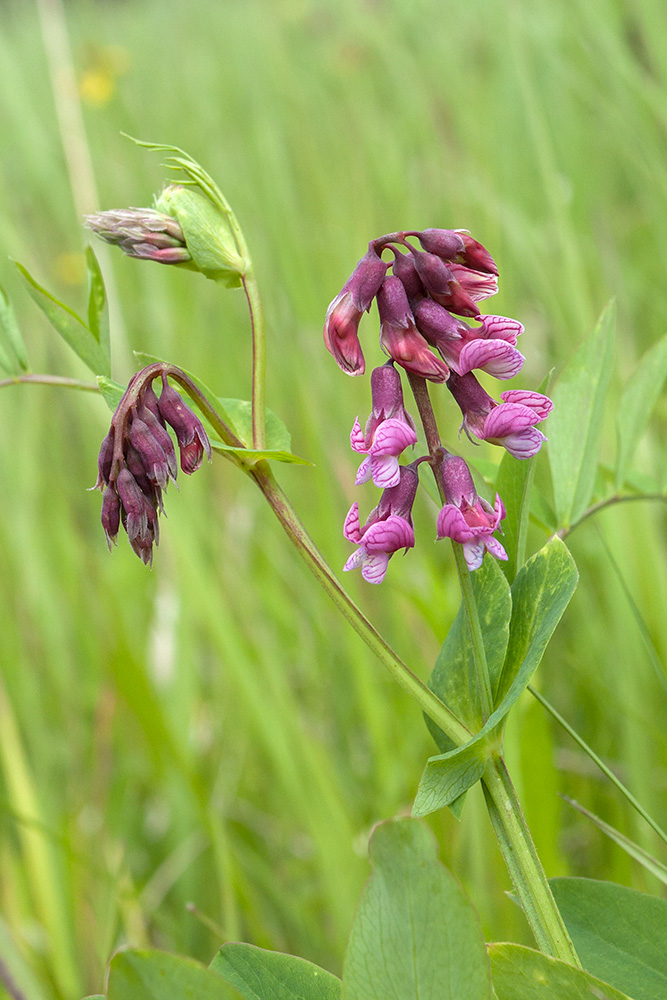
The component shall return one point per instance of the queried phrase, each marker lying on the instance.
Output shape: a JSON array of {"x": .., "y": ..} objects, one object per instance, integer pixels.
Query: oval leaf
[
  {"x": 619, "y": 934},
  {"x": 258, "y": 974},
  {"x": 415, "y": 935},
  {"x": 576, "y": 422},
  {"x": 448, "y": 776},
  {"x": 639, "y": 397},
  {"x": 157, "y": 975},
  {"x": 523, "y": 974}
]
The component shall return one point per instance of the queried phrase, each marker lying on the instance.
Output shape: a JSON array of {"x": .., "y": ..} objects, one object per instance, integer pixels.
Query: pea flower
[
  {"x": 510, "y": 424},
  {"x": 467, "y": 518},
  {"x": 137, "y": 459},
  {"x": 388, "y": 528},
  {"x": 399, "y": 336},
  {"x": 345, "y": 311},
  {"x": 389, "y": 430},
  {"x": 490, "y": 347}
]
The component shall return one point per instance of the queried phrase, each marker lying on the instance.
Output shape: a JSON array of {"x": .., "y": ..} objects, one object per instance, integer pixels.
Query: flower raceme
[
  {"x": 137, "y": 459},
  {"x": 432, "y": 327}
]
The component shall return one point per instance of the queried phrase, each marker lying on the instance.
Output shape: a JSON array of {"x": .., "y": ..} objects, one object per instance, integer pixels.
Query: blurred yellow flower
[{"x": 97, "y": 83}]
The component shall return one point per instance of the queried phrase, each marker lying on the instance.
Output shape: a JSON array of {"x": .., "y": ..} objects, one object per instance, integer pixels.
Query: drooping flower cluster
[
  {"x": 421, "y": 304},
  {"x": 137, "y": 458}
]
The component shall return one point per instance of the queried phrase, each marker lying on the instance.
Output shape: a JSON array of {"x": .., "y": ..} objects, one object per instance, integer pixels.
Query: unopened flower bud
[
  {"x": 345, "y": 311},
  {"x": 142, "y": 232},
  {"x": 399, "y": 335},
  {"x": 445, "y": 243},
  {"x": 190, "y": 434},
  {"x": 208, "y": 236}
]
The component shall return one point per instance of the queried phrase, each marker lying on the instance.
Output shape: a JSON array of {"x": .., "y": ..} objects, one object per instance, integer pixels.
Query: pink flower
[
  {"x": 345, "y": 311},
  {"x": 510, "y": 424},
  {"x": 389, "y": 430},
  {"x": 489, "y": 347},
  {"x": 388, "y": 528},
  {"x": 467, "y": 518}
]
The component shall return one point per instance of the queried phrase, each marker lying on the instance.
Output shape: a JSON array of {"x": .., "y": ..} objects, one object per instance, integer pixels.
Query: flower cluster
[
  {"x": 137, "y": 458},
  {"x": 430, "y": 325}
]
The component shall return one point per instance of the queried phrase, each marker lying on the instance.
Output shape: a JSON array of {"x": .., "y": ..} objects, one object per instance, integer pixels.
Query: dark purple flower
[
  {"x": 399, "y": 336},
  {"x": 388, "y": 528},
  {"x": 137, "y": 459},
  {"x": 345, "y": 311},
  {"x": 466, "y": 517}
]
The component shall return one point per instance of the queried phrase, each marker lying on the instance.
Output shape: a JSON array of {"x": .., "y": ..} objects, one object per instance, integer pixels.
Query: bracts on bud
[{"x": 137, "y": 458}]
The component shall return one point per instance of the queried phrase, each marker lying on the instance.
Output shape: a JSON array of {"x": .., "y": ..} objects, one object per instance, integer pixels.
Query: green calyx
[{"x": 207, "y": 233}]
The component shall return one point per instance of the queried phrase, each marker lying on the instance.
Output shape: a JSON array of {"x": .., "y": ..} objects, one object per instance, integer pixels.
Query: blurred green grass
[{"x": 210, "y": 732}]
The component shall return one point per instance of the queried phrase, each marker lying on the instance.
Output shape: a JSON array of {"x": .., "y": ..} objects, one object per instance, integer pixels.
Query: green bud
[{"x": 208, "y": 236}]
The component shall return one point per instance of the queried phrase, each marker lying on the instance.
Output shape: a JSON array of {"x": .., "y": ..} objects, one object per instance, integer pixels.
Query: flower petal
[
  {"x": 364, "y": 471},
  {"x": 355, "y": 559},
  {"x": 533, "y": 400},
  {"x": 508, "y": 418},
  {"x": 392, "y": 437},
  {"x": 374, "y": 567},
  {"x": 357, "y": 439},
  {"x": 385, "y": 470},
  {"x": 499, "y": 328},
  {"x": 474, "y": 553},
  {"x": 524, "y": 444},
  {"x": 495, "y": 548},
  {"x": 351, "y": 529},
  {"x": 452, "y": 524},
  {"x": 389, "y": 536},
  {"x": 496, "y": 357}
]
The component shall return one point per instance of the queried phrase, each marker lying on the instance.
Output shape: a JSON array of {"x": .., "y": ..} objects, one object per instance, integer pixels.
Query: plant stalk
[
  {"x": 524, "y": 865},
  {"x": 251, "y": 290},
  {"x": 425, "y": 698}
]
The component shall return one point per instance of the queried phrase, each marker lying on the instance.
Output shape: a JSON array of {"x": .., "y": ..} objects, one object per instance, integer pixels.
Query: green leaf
[
  {"x": 111, "y": 391},
  {"x": 13, "y": 357},
  {"x": 541, "y": 592},
  {"x": 576, "y": 422},
  {"x": 237, "y": 414},
  {"x": 637, "y": 401},
  {"x": 71, "y": 327},
  {"x": 415, "y": 935},
  {"x": 448, "y": 776},
  {"x": 258, "y": 974},
  {"x": 98, "y": 305},
  {"x": 619, "y": 934},
  {"x": 514, "y": 483},
  {"x": 157, "y": 975},
  {"x": 453, "y": 676},
  {"x": 523, "y": 974}
]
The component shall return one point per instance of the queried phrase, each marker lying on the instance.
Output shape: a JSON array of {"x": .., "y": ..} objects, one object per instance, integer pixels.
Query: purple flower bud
[
  {"x": 399, "y": 336},
  {"x": 150, "y": 451},
  {"x": 387, "y": 529},
  {"x": 466, "y": 517},
  {"x": 404, "y": 269},
  {"x": 110, "y": 515},
  {"x": 143, "y": 233},
  {"x": 445, "y": 243},
  {"x": 459, "y": 346},
  {"x": 104, "y": 460},
  {"x": 192, "y": 438}
]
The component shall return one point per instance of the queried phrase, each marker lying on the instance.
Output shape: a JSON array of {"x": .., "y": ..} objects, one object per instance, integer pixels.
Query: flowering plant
[{"x": 415, "y": 934}]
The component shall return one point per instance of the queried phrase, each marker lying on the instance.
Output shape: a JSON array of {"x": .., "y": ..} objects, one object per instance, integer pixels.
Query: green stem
[
  {"x": 475, "y": 629},
  {"x": 425, "y": 698},
  {"x": 524, "y": 865},
  {"x": 609, "y": 502},
  {"x": 60, "y": 380},
  {"x": 251, "y": 290},
  {"x": 600, "y": 763}
]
